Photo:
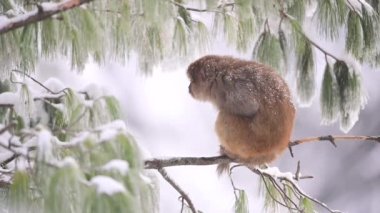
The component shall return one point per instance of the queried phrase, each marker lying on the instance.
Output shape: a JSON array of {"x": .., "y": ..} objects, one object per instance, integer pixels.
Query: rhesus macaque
[{"x": 256, "y": 113}]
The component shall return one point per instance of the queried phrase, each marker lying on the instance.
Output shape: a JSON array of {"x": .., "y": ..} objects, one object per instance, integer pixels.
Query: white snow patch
[
  {"x": 49, "y": 6},
  {"x": 275, "y": 172},
  {"x": 4, "y": 21},
  {"x": 44, "y": 144},
  {"x": 120, "y": 166},
  {"x": 9, "y": 98},
  {"x": 107, "y": 185},
  {"x": 79, "y": 138},
  {"x": 54, "y": 84},
  {"x": 111, "y": 130},
  {"x": 69, "y": 162},
  {"x": 89, "y": 103},
  {"x": 93, "y": 91},
  {"x": 116, "y": 124},
  {"x": 146, "y": 179},
  {"x": 108, "y": 134}
]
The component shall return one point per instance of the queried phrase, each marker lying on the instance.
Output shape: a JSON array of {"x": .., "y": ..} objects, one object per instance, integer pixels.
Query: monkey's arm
[{"x": 236, "y": 96}]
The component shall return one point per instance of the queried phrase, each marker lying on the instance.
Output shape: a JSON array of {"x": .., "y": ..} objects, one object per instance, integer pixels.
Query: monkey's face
[
  {"x": 199, "y": 90},
  {"x": 200, "y": 81}
]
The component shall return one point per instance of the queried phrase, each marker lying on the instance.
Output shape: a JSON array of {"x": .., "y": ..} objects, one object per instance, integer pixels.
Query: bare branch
[
  {"x": 39, "y": 83},
  {"x": 334, "y": 138},
  {"x": 177, "y": 188},
  {"x": 39, "y": 14}
]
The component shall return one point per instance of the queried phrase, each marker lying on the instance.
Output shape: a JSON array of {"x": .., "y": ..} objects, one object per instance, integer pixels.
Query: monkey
[{"x": 256, "y": 113}]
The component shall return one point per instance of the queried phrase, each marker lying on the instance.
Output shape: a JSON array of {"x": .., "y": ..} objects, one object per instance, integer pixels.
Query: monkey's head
[{"x": 202, "y": 74}]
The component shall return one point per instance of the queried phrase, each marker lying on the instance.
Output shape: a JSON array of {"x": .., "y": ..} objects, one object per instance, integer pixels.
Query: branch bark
[{"x": 39, "y": 14}]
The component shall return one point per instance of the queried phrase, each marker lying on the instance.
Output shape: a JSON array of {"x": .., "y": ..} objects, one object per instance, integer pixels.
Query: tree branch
[
  {"x": 42, "y": 12},
  {"x": 204, "y": 161},
  {"x": 333, "y": 138},
  {"x": 284, "y": 14},
  {"x": 177, "y": 188},
  {"x": 182, "y": 161}
]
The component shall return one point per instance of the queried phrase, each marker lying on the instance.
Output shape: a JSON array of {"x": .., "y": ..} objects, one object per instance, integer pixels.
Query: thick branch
[
  {"x": 182, "y": 161},
  {"x": 43, "y": 12},
  {"x": 203, "y": 161}
]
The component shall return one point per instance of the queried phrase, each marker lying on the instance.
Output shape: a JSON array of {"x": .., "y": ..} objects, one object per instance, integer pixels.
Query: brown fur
[{"x": 256, "y": 114}]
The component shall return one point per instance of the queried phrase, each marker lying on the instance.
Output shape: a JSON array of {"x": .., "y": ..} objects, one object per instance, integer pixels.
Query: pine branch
[
  {"x": 293, "y": 184},
  {"x": 42, "y": 12},
  {"x": 299, "y": 30}
]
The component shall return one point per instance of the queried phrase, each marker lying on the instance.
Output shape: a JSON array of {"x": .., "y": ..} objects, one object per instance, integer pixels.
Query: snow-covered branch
[{"x": 42, "y": 12}]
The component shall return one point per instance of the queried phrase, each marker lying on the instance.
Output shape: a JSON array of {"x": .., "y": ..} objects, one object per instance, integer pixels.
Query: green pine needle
[
  {"x": 268, "y": 50},
  {"x": 241, "y": 204},
  {"x": 354, "y": 35},
  {"x": 329, "y": 96}
]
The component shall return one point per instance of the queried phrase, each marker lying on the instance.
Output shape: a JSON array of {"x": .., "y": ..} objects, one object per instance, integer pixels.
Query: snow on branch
[{"x": 42, "y": 12}]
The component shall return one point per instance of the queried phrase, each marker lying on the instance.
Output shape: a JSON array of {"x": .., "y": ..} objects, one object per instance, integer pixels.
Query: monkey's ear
[{"x": 238, "y": 97}]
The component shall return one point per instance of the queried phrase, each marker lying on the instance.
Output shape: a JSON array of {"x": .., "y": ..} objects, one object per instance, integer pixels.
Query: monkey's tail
[{"x": 223, "y": 168}]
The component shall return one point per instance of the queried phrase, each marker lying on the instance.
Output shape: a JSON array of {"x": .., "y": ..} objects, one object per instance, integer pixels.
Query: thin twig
[
  {"x": 232, "y": 182},
  {"x": 283, "y": 14},
  {"x": 165, "y": 175},
  {"x": 272, "y": 196},
  {"x": 295, "y": 186},
  {"x": 41, "y": 84}
]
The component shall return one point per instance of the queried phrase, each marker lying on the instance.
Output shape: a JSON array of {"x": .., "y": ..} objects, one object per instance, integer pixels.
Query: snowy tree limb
[{"x": 42, "y": 12}]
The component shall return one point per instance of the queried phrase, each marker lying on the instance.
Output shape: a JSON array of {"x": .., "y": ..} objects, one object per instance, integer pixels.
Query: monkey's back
[{"x": 259, "y": 138}]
